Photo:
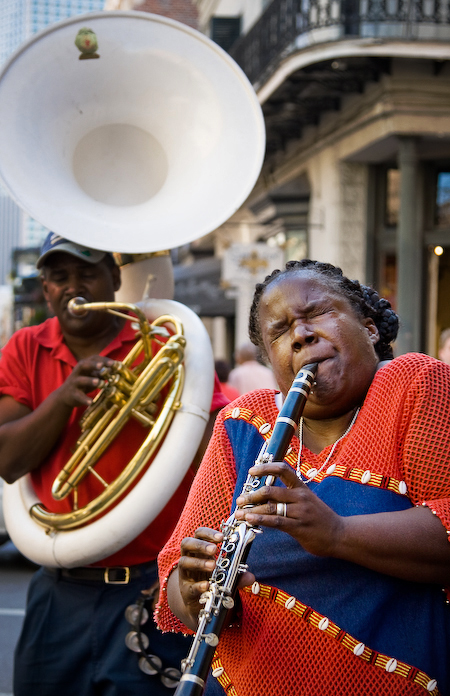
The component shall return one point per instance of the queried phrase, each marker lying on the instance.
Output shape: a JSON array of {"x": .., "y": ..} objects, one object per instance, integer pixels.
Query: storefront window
[
  {"x": 388, "y": 278},
  {"x": 296, "y": 245},
  {"x": 392, "y": 197},
  {"x": 443, "y": 200}
]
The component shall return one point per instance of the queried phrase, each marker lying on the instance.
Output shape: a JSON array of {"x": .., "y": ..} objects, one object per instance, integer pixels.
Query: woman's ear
[{"x": 372, "y": 330}]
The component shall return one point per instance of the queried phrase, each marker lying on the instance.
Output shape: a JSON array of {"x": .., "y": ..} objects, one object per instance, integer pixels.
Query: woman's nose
[{"x": 301, "y": 335}]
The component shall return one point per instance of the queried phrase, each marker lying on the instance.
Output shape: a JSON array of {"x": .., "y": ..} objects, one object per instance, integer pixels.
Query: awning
[{"x": 198, "y": 287}]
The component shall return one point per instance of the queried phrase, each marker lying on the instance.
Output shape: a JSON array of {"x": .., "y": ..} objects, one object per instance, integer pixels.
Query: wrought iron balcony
[{"x": 289, "y": 25}]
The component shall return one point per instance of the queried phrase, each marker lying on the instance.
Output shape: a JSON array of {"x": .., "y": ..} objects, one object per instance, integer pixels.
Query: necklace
[{"x": 312, "y": 473}]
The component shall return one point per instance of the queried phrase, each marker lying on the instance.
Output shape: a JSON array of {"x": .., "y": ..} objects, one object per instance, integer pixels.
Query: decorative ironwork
[{"x": 284, "y": 26}]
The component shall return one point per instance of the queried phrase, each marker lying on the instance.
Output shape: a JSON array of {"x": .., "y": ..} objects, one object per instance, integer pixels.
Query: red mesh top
[{"x": 402, "y": 437}]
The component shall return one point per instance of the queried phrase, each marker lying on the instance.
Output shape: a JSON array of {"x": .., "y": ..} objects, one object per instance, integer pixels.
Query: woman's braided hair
[{"x": 364, "y": 299}]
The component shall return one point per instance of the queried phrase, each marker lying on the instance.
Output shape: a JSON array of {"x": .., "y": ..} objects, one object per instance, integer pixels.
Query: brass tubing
[
  {"x": 76, "y": 518},
  {"x": 138, "y": 387},
  {"x": 74, "y": 471}
]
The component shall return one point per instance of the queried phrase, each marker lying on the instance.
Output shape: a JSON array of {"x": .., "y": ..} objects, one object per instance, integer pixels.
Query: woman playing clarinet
[{"x": 346, "y": 590}]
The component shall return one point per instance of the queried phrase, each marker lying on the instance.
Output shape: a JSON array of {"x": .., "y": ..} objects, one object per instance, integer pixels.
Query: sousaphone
[{"x": 133, "y": 133}]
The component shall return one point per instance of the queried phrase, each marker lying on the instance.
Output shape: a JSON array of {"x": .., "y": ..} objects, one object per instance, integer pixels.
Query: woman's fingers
[
  {"x": 294, "y": 509},
  {"x": 273, "y": 493},
  {"x": 208, "y": 534},
  {"x": 279, "y": 469},
  {"x": 197, "y": 562}
]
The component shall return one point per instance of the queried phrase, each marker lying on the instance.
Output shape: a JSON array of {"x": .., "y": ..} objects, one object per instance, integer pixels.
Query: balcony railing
[{"x": 288, "y": 25}]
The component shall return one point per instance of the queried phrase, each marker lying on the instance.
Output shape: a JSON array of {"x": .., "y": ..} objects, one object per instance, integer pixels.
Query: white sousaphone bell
[{"x": 139, "y": 135}]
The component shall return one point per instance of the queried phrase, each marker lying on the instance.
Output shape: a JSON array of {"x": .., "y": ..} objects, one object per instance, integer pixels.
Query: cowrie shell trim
[
  {"x": 365, "y": 478},
  {"x": 290, "y": 603},
  {"x": 391, "y": 665}
]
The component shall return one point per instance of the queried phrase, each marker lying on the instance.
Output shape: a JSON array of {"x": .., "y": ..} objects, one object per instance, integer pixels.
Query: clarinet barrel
[{"x": 219, "y": 599}]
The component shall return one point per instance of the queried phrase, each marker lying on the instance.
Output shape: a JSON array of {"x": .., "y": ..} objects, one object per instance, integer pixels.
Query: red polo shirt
[{"x": 34, "y": 363}]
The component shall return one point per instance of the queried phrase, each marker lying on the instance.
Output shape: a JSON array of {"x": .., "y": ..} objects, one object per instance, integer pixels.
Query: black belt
[{"x": 115, "y": 575}]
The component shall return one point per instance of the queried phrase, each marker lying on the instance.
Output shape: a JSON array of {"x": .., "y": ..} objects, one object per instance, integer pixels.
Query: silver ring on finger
[{"x": 282, "y": 509}]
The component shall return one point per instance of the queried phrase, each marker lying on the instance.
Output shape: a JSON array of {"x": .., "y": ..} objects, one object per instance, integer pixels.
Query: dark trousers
[{"x": 73, "y": 640}]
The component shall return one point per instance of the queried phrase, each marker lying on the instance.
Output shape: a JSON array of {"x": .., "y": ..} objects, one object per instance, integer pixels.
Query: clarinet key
[
  {"x": 228, "y": 602},
  {"x": 211, "y": 639}
]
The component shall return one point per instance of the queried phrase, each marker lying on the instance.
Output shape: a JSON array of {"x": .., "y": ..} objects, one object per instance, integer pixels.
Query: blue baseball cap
[{"x": 54, "y": 243}]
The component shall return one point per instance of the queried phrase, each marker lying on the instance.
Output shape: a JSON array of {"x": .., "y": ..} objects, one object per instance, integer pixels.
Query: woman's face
[{"x": 303, "y": 320}]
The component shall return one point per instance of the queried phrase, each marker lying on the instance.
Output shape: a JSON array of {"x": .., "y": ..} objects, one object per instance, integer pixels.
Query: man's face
[{"x": 65, "y": 277}]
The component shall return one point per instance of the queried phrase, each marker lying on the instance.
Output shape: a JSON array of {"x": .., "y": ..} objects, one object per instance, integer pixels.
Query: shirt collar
[{"x": 49, "y": 335}]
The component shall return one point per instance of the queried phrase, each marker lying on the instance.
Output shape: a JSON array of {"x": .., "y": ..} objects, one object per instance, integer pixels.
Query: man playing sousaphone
[{"x": 73, "y": 638}]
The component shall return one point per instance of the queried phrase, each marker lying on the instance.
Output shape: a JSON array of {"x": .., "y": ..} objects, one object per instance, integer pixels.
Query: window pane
[
  {"x": 392, "y": 197},
  {"x": 225, "y": 31},
  {"x": 388, "y": 278},
  {"x": 443, "y": 200}
]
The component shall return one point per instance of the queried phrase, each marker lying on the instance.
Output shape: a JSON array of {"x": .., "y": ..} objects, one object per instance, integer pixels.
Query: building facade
[{"x": 356, "y": 100}]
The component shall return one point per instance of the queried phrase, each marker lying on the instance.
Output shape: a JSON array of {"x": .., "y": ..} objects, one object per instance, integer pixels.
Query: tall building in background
[{"x": 19, "y": 19}]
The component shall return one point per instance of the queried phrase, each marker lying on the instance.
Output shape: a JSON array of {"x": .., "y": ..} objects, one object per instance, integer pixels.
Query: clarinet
[{"x": 238, "y": 536}]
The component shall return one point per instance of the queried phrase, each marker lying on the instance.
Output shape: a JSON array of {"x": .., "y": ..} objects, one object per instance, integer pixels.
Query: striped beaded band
[
  {"x": 321, "y": 622},
  {"x": 347, "y": 473}
]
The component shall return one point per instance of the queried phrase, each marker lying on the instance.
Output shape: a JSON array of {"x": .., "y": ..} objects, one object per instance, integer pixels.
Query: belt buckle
[{"x": 125, "y": 581}]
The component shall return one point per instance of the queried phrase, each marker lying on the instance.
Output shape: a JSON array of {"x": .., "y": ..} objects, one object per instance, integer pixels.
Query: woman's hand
[
  {"x": 196, "y": 565},
  {"x": 308, "y": 519},
  {"x": 191, "y": 578},
  {"x": 410, "y": 544}
]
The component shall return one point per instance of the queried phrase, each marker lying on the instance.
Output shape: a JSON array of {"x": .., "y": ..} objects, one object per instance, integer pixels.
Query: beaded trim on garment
[
  {"x": 388, "y": 664},
  {"x": 365, "y": 477}
]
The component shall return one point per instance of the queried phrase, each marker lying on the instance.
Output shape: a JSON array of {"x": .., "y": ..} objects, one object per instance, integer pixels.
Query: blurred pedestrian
[
  {"x": 223, "y": 370},
  {"x": 444, "y": 346},
  {"x": 250, "y": 374}
]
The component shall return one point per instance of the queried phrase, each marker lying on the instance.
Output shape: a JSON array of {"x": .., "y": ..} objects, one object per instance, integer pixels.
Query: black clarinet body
[{"x": 219, "y": 599}]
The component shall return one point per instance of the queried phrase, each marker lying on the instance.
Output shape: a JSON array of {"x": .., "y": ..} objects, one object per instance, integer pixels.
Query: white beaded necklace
[{"x": 312, "y": 473}]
